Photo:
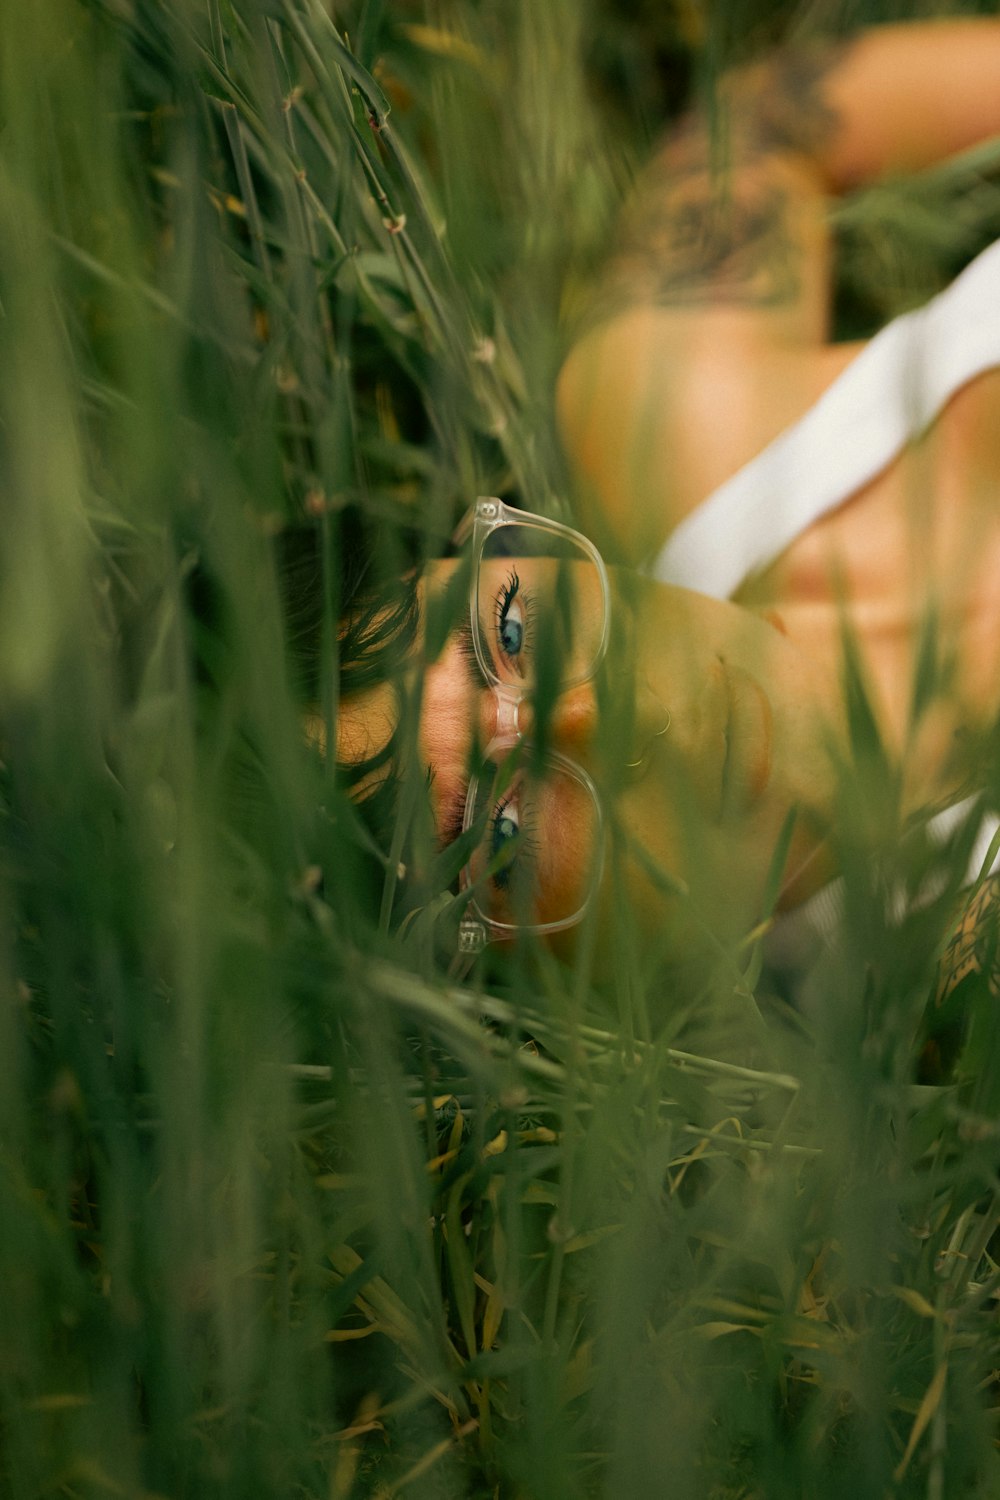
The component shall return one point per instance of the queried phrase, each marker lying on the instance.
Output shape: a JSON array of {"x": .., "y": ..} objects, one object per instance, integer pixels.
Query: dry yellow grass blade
[
  {"x": 380, "y": 1303},
  {"x": 430, "y": 1458},
  {"x": 63, "y": 1401},
  {"x": 492, "y": 1317},
  {"x": 914, "y": 1300},
  {"x": 928, "y": 1406},
  {"x": 443, "y": 43}
]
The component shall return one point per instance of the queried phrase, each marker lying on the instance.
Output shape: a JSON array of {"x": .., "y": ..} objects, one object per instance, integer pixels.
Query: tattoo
[
  {"x": 789, "y": 112},
  {"x": 712, "y": 218},
  {"x": 973, "y": 947},
  {"x": 697, "y": 235}
]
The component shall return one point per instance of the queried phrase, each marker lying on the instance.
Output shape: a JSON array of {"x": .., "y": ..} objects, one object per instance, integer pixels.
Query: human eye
[
  {"x": 512, "y": 614},
  {"x": 511, "y": 847}
]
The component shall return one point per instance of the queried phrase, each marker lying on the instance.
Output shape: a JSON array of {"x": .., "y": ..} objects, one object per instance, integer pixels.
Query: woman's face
[{"x": 702, "y": 729}]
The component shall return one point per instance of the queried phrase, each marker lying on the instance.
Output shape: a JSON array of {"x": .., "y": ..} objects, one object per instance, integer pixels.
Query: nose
[
  {"x": 570, "y": 722},
  {"x": 639, "y": 720},
  {"x": 573, "y": 719}
]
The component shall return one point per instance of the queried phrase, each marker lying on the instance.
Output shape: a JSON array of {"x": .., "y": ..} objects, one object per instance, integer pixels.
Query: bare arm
[{"x": 905, "y": 97}]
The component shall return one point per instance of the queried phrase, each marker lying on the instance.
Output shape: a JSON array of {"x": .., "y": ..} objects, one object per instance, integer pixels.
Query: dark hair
[
  {"x": 349, "y": 596},
  {"x": 348, "y": 609}
]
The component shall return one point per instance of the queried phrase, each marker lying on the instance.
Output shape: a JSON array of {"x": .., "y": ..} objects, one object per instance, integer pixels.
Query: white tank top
[{"x": 886, "y": 396}]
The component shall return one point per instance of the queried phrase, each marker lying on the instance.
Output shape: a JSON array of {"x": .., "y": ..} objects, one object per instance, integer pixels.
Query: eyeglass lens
[
  {"x": 541, "y": 608},
  {"x": 534, "y": 863}
]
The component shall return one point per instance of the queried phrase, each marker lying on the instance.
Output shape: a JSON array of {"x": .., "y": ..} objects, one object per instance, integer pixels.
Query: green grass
[{"x": 284, "y": 1211}]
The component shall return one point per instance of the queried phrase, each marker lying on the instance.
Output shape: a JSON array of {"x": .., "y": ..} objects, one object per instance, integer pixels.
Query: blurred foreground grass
[{"x": 283, "y": 1212}]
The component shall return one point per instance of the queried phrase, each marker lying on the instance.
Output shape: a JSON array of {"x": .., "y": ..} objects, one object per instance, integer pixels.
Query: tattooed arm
[
  {"x": 907, "y": 96},
  {"x": 729, "y": 206}
]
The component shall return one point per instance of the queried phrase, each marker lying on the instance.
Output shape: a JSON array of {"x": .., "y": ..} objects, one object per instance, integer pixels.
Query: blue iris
[
  {"x": 505, "y": 828},
  {"x": 511, "y": 635},
  {"x": 510, "y": 618}
]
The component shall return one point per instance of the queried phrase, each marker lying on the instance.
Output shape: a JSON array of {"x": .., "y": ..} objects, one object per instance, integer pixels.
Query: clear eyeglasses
[{"x": 539, "y": 620}]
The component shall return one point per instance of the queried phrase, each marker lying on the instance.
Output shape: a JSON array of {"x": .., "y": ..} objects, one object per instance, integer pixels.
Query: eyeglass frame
[{"x": 489, "y": 514}]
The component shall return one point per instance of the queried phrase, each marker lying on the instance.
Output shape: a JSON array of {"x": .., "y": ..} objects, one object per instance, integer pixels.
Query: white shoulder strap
[{"x": 887, "y": 395}]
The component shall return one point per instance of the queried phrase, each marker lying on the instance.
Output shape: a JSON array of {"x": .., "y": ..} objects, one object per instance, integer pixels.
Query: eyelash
[
  {"x": 454, "y": 815},
  {"x": 467, "y": 647}
]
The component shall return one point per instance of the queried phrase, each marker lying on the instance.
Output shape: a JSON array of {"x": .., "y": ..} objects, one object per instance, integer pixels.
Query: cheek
[
  {"x": 677, "y": 876},
  {"x": 569, "y": 850}
]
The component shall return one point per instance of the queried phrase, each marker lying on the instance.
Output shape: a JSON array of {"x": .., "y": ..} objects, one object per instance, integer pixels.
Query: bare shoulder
[{"x": 657, "y": 407}]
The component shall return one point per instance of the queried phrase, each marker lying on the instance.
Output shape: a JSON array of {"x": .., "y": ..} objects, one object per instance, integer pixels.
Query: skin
[
  {"x": 704, "y": 727},
  {"x": 710, "y": 336}
]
